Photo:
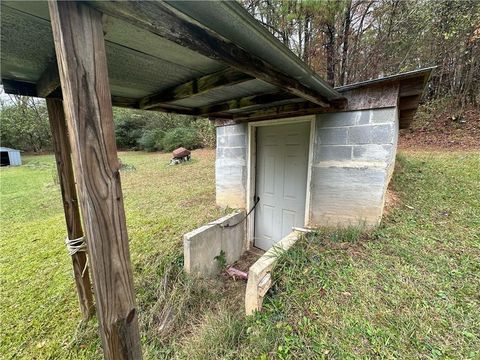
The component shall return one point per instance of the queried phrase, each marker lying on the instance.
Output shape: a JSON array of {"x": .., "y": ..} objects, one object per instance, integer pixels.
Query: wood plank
[
  {"x": 80, "y": 48},
  {"x": 246, "y": 103},
  {"x": 409, "y": 102},
  {"x": 159, "y": 19},
  {"x": 275, "y": 112},
  {"x": 412, "y": 87},
  {"x": 61, "y": 148},
  {"x": 49, "y": 81},
  {"x": 227, "y": 77},
  {"x": 15, "y": 87}
]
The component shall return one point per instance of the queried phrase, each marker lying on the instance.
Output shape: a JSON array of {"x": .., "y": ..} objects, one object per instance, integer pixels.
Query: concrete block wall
[
  {"x": 231, "y": 166},
  {"x": 353, "y": 160}
]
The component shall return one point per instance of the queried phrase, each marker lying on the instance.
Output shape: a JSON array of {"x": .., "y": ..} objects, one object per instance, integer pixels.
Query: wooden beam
[
  {"x": 275, "y": 112},
  {"x": 61, "y": 148},
  {"x": 409, "y": 102},
  {"x": 121, "y": 101},
  {"x": 411, "y": 87},
  {"x": 15, "y": 87},
  {"x": 197, "y": 86},
  {"x": 246, "y": 103},
  {"x": 80, "y": 49},
  {"x": 49, "y": 81},
  {"x": 159, "y": 19}
]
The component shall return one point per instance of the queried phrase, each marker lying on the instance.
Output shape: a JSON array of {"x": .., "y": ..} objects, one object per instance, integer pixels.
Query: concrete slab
[
  {"x": 201, "y": 246},
  {"x": 259, "y": 274}
]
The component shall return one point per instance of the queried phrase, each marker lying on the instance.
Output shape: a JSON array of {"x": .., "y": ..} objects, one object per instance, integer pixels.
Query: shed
[
  {"x": 10, "y": 157},
  {"x": 306, "y": 154}
]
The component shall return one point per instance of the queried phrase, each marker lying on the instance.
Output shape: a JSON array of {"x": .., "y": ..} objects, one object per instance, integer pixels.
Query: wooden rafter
[
  {"x": 49, "y": 81},
  {"x": 196, "y": 86},
  {"x": 409, "y": 102},
  {"x": 246, "y": 103},
  {"x": 274, "y": 112},
  {"x": 159, "y": 19},
  {"x": 15, "y": 87}
]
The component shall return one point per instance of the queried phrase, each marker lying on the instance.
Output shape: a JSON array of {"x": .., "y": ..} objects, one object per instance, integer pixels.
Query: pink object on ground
[{"x": 237, "y": 273}]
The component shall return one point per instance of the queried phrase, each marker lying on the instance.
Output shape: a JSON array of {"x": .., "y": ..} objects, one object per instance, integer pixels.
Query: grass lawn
[{"x": 408, "y": 289}]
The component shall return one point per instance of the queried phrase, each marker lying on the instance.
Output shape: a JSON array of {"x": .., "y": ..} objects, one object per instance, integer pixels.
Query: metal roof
[
  {"x": 145, "y": 63},
  {"x": 423, "y": 73},
  {"x": 2, "y": 148}
]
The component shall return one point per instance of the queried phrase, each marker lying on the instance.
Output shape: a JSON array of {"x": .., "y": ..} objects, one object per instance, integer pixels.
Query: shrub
[
  {"x": 206, "y": 132},
  {"x": 186, "y": 137},
  {"x": 24, "y": 124},
  {"x": 128, "y": 130},
  {"x": 151, "y": 140}
]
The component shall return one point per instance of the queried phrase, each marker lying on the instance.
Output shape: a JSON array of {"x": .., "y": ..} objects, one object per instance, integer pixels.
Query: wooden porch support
[
  {"x": 80, "y": 50},
  {"x": 70, "y": 203}
]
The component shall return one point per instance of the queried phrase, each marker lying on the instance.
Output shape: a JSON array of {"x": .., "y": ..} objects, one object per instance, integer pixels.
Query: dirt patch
[
  {"x": 392, "y": 201},
  {"x": 248, "y": 259},
  {"x": 443, "y": 127}
]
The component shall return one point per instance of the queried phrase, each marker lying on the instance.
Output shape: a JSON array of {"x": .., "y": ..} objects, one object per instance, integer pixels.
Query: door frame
[{"x": 251, "y": 167}]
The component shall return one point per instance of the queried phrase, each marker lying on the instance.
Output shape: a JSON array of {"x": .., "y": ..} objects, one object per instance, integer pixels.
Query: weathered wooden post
[
  {"x": 61, "y": 148},
  {"x": 80, "y": 50}
]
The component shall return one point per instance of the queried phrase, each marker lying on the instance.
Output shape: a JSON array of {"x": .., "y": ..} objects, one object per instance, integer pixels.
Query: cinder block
[
  {"x": 236, "y": 129},
  {"x": 333, "y": 136},
  {"x": 220, "y": 130},
  {"x": 347, "y": 196},
  {"x": 373, "y": 152},
  {"x": 364, "y": 117},
  {"x": 382, "y": 134},
  {"x": 336, "y": 119},
  {"x": 222, "y": 141},
  {"x": 238, "y": 140},
  {"x": 370, "y": 134},
  {"x": 230, "y": 169},
  {"x": 238, "y": 152},
  {"x": 386, "y": 115},
  {"x": 359, "y": 134},
  {"x": 329, "y": 153}
]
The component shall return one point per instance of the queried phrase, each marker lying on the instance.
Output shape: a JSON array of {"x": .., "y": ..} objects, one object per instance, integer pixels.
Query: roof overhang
[
  {"x": 403, "y": 90},
  {"x": 191, "y": 57}
]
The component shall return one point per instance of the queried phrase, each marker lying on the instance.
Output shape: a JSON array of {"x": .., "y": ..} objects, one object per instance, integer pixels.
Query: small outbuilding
[
  {"x": 291, "y": 150},
  {"x": 10, "y": 157}
]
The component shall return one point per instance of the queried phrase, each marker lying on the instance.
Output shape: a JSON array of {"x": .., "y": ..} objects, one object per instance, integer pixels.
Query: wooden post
[
  {"x": 80, "y": 50},
  {"x": 61, "y": 147}
]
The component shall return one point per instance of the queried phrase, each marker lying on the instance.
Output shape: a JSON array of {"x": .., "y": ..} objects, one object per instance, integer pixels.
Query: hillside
[{"x": 443, "y": 125}]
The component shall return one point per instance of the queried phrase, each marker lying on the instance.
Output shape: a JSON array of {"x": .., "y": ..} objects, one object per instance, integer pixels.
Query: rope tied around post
[{"x": 76, "y": 245}]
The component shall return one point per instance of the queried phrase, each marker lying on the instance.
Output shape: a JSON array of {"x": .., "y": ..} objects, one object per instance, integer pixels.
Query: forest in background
[{"x": 345, "y": 41}]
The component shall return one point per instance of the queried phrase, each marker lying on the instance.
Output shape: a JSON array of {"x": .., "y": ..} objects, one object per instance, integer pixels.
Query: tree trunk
[{"x": 345, "y": 37}]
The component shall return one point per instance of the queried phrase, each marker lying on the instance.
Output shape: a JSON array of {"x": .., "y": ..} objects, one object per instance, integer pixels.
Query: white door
[{"x": 281, "y": 181}]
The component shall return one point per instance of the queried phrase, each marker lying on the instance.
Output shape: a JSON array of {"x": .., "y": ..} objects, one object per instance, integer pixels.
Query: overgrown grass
[
  {"x": 40, "y": 316},
  {"x": 408, "y": 289}
]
